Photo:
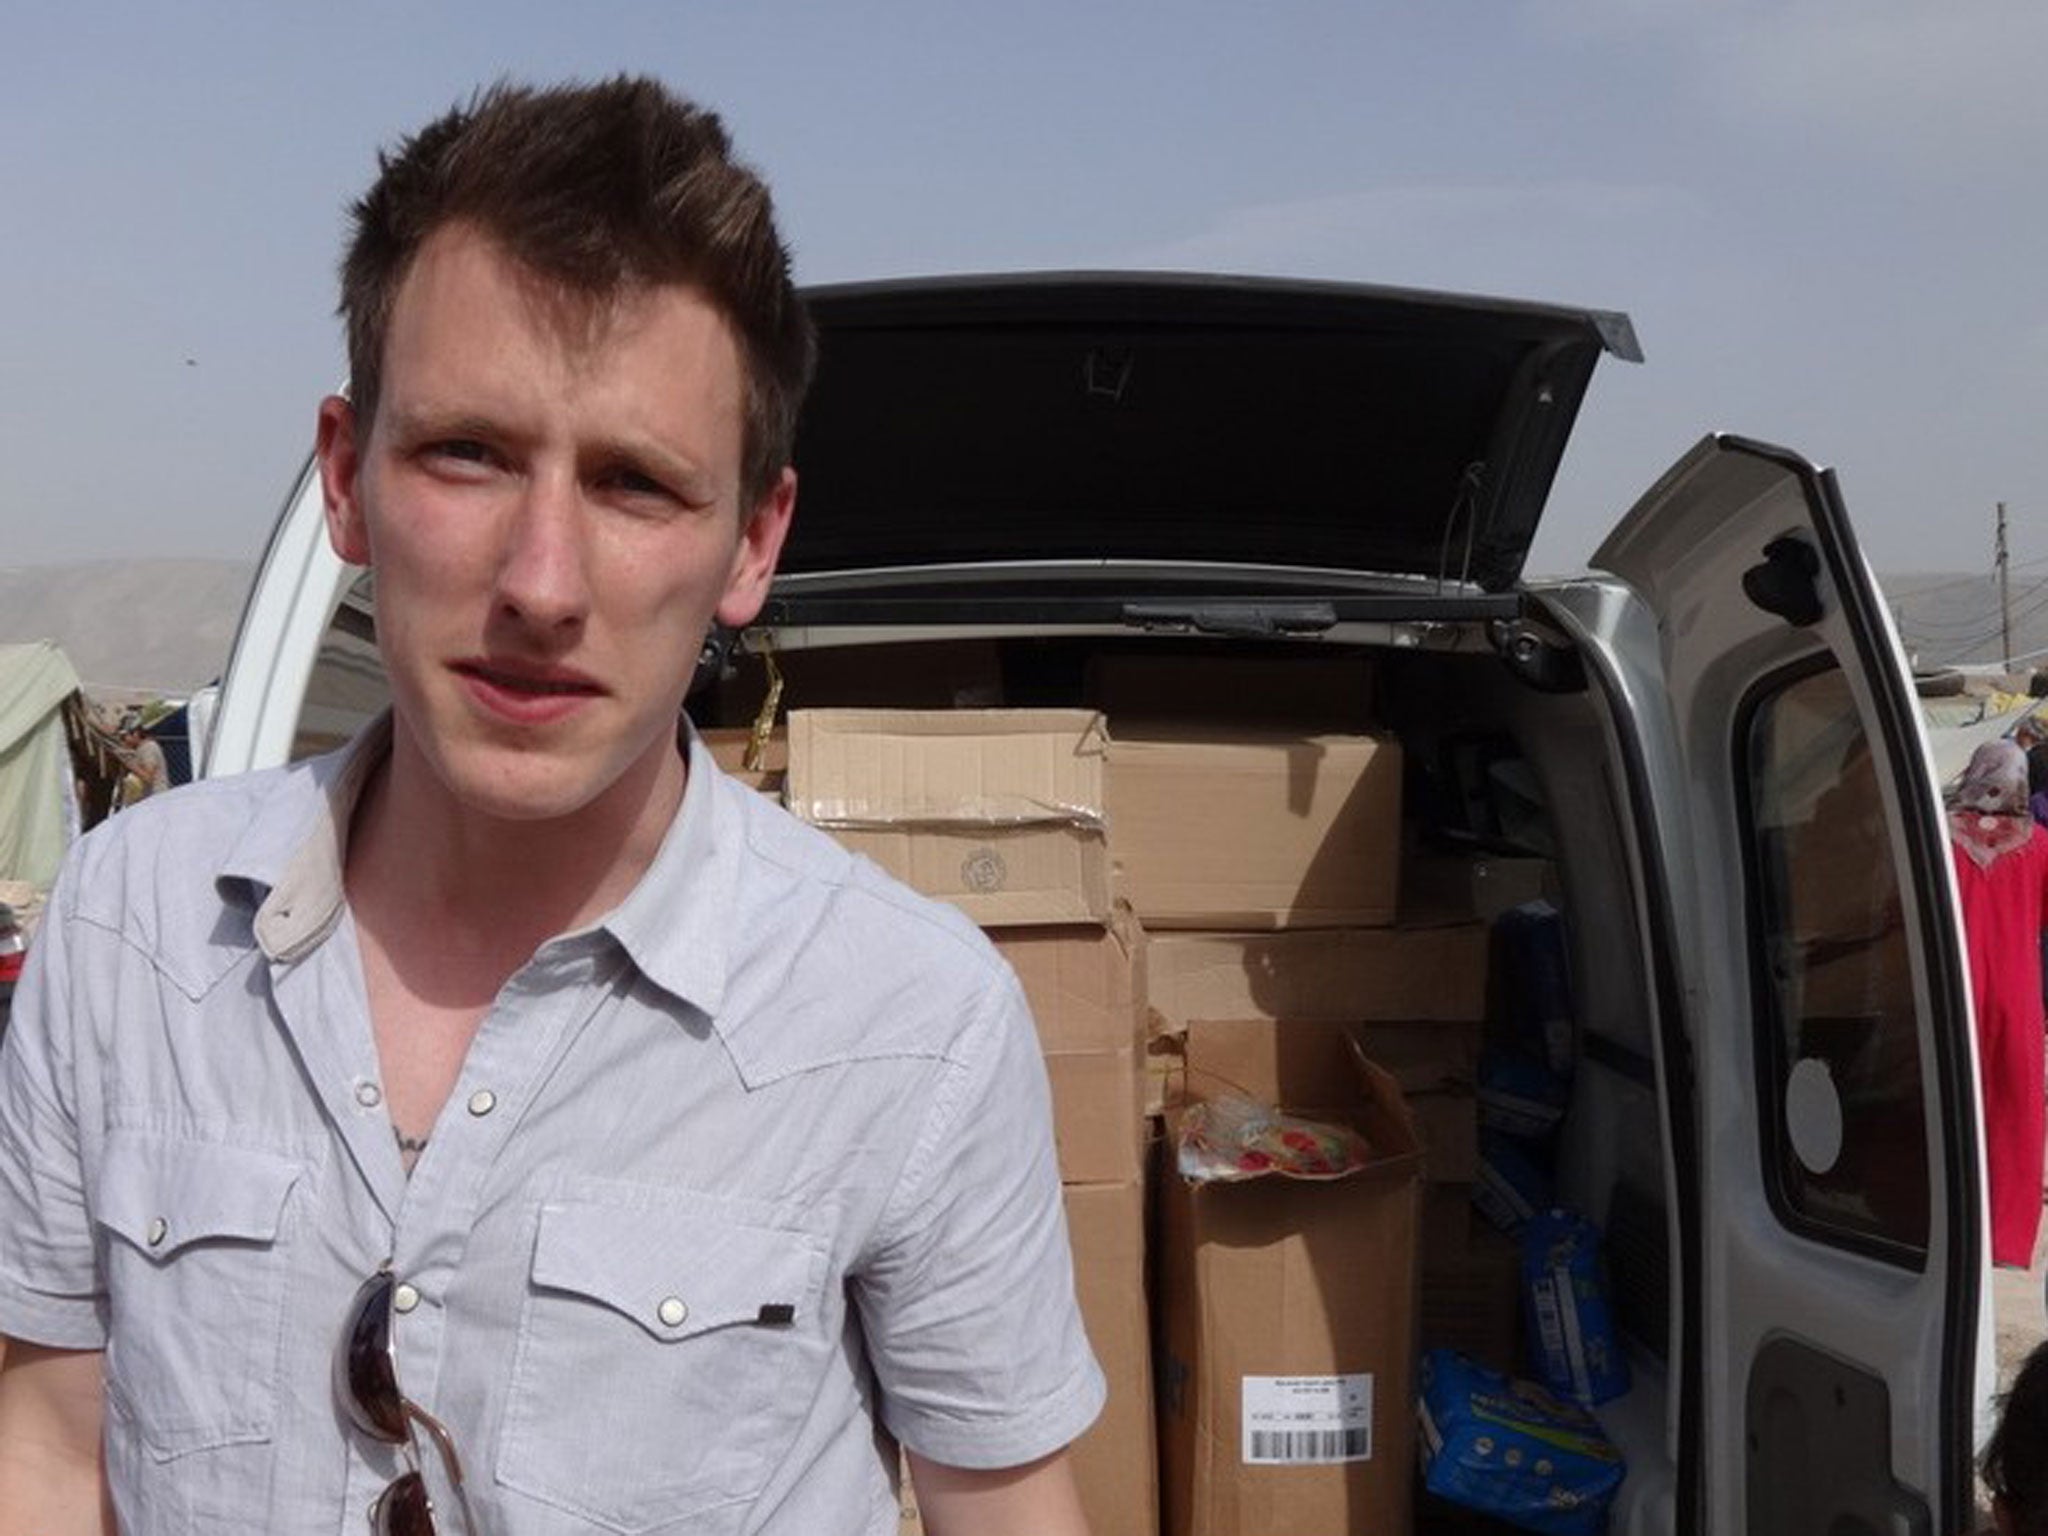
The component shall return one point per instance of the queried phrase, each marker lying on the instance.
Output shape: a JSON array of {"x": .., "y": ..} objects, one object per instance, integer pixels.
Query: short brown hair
[
  {"x": 599, "y": 188},
  {"x": 2015, "y": 1464}
]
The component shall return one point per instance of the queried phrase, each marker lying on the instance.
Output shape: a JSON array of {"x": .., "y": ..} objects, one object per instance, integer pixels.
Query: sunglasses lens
[
  {"x": 365, "y": 1380},
  {"x": 403, "y": 1509}
]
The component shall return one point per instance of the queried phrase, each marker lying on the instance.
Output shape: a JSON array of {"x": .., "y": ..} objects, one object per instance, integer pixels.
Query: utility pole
[{"x": 2004, "y": 590}]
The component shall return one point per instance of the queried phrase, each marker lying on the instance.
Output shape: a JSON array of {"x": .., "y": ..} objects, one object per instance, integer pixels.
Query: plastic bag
[{"x": 1233, "y": 1137}]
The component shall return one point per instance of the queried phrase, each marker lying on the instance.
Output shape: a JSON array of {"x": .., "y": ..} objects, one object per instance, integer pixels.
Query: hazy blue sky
[{"x": 1826, "y": 216}]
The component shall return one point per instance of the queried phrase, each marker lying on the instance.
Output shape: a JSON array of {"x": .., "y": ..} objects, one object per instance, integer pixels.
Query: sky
[{"x": 1826, "y": 217}]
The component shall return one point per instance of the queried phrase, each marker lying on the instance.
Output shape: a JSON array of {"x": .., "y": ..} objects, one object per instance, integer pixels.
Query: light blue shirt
[{"x": 760, "y": 1159}]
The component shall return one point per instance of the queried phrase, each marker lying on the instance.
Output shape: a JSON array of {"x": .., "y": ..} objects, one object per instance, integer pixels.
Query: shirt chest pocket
[
  {"x": 196, "y": 1283},
  {"x": 666, "y": 1358}
]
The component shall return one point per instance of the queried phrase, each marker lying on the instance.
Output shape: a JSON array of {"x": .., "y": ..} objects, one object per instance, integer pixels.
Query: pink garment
[{"x": 2004, "y": 904}]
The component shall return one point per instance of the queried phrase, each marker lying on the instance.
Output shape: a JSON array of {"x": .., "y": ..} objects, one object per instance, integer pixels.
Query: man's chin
[{"x": 525, "y": 791}]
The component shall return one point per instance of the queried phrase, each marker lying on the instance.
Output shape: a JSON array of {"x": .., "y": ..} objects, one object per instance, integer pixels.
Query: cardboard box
[
  {"x": 1116, "y": 1462},
  {"x": 941, "y": 674},
  {"x": 1448, "y": 1220},
  {"x": 1295, "y": 1062},
  {"x": 1289, "y": 1333},
  {"x": 997, "y": 811},
  {"x": 909, "y": 1518},
  {"x": 1082, "y": 985},
  {"x": 1098, "y": 1114},
  {"x": 1275, "y": 831},
  {"x": 1305, "y": 691},
  {"x": 1392, "y": 975}
]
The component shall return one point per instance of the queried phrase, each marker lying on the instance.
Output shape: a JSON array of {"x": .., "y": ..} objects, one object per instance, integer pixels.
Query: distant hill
[
  {"x": 130, "y": 626},
  {"x": 1951, "y": 620}
]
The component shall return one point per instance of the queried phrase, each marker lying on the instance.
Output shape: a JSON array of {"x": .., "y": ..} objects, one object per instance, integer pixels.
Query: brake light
[{"x": 11, "y": 962}]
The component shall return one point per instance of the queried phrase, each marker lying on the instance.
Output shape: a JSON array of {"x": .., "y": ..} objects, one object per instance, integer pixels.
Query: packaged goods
[
  {"x": 1334, "y": 975},
  {"x": 1238, "y": 1138},
  {"x": 1295, "y": 831},
  {"x": 1116, "y": 1461},
  {"x": 1303, "y": 693},
  {"x": 1572, "y": 1342},
  {"x": 1510, "y": 1449},
  {"x": 1539, "y": 993},
  {"x": 1519, "y": 1095},
  {"x": 998, "y": 811},
  {"x": 1288, "y": 1327},
  {"x": 1082, "y": 987},
  {"x": 1512, "y": 1185}
]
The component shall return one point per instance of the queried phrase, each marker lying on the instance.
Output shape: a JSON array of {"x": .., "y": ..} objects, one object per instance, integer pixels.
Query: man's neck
[{"x": 421, "y": 862}]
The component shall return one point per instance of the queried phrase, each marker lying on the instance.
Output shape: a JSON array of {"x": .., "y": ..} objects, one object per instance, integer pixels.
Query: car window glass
[{"x": 1839, "y": 1051}]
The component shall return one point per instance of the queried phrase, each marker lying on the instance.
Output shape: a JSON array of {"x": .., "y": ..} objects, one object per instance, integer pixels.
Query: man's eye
[
  {"x": 463, "y": 450},
  {"x": 634, "y": 483}
]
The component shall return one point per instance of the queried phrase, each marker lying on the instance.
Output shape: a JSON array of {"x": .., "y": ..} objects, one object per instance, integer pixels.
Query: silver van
[{"x": 1712, "y": 732}]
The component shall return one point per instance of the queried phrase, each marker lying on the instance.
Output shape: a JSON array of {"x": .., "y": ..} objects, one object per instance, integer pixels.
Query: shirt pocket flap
[
  {"x": 678, "y": 1274},
  {"x": 163, "y": 1194}
]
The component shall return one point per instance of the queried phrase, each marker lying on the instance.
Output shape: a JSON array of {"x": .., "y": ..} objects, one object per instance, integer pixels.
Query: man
[
  {"x": 145, "y": 770},
  {"x": 655, "y": 1164}
]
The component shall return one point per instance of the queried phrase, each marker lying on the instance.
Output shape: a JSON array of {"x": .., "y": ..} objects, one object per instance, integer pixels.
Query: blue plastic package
[
  {"x": 1510, "y": 1449},
  {"x": 1512, "y": 1186},
  {"x": 1539, "y": 992},
  {"x": 1519, "y": 1095},
  {"x": 1572, "y": 1342}
]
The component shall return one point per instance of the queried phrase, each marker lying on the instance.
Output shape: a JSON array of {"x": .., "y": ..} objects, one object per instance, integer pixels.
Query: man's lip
[{"x": 526, "y": 677}]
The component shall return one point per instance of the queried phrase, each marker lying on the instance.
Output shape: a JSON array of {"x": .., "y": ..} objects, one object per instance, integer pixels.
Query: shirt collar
[
  {"x": 675, "y": 924},
  {"x": 293, "y": 851},
  {"x": 672, "y": 924}
]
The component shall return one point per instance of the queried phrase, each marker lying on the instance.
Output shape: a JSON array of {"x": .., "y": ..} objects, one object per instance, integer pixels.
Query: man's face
[{"x": 550, "y": 498}]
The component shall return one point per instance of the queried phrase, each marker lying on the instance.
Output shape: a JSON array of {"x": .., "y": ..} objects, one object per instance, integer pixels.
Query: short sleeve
[
  {"x": 967, "y": 1298},
  {"x": 49, "y": 1275}
]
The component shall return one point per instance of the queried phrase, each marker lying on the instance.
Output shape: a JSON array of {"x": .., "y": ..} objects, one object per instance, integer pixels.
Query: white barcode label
[{"x": 1307, "y": 1420}]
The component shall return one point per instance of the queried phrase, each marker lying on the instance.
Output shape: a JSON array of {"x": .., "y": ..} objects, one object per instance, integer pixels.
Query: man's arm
[
  {"x": 1036, "y": 1499},
  {"x": 52, "y": 1478}
]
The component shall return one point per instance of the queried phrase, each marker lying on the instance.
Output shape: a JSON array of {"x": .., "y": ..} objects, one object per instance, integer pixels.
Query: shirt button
[
  {"x": 405, "y": 1298},
  {"x": 482, "y": 1102},
  {"x": 159, "y": 1229},
  {"x": 369, "y": 1095},
  {"x": 672, "y": 1312}
]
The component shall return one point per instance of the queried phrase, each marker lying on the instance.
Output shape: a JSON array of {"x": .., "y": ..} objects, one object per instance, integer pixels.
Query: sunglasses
[{"x": 366, "y": 1386}]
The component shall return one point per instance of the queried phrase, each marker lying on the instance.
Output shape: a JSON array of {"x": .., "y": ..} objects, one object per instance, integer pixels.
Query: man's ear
[
  {"x": 760, "y": 546},
  {"x": 338, "y": 448}
]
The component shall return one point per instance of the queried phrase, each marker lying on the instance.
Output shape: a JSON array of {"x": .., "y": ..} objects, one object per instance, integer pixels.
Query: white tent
[
  {"x": 38, "y": 814},
  {"x": 1956, "y": 727}
]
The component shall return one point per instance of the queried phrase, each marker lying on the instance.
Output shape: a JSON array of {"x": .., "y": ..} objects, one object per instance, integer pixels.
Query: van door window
[{"x": 1837, "y": 1047}]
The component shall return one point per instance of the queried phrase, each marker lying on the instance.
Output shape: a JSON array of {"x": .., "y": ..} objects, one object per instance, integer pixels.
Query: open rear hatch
[{"x": 1106, "y": 420}]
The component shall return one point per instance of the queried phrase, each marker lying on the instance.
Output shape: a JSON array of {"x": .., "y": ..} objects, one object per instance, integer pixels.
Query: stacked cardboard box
[
  {"x": 1001, "y": 813},
  {"x": 998, "y": 811},
  {"x": 1416, "y": 998},
  {"x": 1261, "y": 850},
  {"x": 1255, "y": 830},
  {"x": 1288, "y": 1308}
]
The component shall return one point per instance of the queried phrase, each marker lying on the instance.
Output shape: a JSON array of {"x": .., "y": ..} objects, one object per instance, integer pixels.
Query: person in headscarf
[{"x": 2001, "y": 858}]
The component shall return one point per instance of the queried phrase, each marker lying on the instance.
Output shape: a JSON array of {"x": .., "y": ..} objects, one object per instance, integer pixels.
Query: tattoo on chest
[{"x": 412, "y": 1146}]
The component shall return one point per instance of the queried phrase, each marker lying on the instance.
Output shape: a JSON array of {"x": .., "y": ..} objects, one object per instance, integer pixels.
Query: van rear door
[{"x": 1825, "y": 1082}]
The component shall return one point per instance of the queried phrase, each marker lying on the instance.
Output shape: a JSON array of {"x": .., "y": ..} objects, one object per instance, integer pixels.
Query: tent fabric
[
  {"x": 35, "y": 761},
  {"x": 1957, "y": 727}
]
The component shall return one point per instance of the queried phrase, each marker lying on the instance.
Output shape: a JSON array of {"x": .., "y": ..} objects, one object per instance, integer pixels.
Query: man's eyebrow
[{"x": 417, "y": 424}]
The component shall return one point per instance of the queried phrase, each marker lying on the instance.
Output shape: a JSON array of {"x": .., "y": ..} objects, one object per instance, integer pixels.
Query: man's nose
[{"x": 543, "y": 580}]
